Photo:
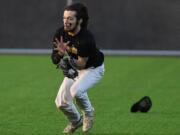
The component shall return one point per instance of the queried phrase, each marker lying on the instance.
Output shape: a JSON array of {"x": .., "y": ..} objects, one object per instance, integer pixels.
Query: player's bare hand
[{"x": 60, "y": 45}]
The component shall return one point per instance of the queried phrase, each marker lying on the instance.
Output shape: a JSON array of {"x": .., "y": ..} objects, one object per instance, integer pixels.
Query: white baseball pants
[{"x": 77, "y": 89}]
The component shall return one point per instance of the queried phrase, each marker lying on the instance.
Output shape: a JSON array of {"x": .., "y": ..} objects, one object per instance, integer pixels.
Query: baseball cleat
[
  {"x": 88, "y": 120},
  {"x": 72, "y": 127}
]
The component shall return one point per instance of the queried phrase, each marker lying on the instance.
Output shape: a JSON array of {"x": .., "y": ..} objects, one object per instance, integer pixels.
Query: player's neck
[{"x": 76, "y": 31}]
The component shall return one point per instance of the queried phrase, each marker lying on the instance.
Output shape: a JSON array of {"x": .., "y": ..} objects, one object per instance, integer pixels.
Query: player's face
[{"x": 70, "y": 21}]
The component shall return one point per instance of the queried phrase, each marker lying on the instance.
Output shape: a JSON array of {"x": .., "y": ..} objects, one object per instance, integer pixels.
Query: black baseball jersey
[{"x": 82, "y": 44}]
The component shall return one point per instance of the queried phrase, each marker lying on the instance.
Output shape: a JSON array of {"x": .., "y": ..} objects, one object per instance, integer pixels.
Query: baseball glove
[
  {"x": 67, "y": 69},
  {"x": 143, "y": 105}
]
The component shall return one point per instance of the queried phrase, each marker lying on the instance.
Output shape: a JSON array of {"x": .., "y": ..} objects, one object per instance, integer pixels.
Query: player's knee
[
  {"x": 59, "y": 104},
  {"x": 76, "y": 92}
]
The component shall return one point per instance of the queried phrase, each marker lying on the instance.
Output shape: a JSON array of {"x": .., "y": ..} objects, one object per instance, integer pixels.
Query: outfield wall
[{"x": 117, "y": 24}]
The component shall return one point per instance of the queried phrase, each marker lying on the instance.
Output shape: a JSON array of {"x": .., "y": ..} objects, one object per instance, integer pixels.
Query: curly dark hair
[{"x": 81, "y": 13}]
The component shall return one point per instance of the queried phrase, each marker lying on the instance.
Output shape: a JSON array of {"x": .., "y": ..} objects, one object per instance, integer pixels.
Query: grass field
[{"x": 29, "y": 84}]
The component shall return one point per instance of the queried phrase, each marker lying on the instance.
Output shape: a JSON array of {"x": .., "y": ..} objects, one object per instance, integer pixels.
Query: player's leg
[
  {"x": 86, "y": 79},
  {"x": 64, "y": 101}
]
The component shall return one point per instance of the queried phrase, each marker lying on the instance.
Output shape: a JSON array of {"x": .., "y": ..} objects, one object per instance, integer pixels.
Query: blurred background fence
[{"x": 119, "y": 26}]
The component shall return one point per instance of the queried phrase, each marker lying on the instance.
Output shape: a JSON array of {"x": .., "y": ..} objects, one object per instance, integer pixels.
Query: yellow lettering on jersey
[
  {"x": 74, "y": 50},
  {"x": 68, "y": 48}
]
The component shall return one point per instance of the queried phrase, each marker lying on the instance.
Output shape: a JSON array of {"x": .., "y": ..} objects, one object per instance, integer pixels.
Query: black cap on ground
[{"x": 143, "y": 105}]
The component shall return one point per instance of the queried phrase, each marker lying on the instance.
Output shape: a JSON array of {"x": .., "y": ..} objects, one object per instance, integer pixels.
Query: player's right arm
[
  {"x": 59, "y": 48},
  {"x": 55, "y": 56}
]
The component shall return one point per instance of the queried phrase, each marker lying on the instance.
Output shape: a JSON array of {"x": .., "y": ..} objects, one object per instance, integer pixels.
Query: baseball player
[{"x": 82, "y": 69}]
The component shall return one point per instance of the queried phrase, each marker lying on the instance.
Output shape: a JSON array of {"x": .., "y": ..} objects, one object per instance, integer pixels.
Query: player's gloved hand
[{"x": 67, "y": 69}]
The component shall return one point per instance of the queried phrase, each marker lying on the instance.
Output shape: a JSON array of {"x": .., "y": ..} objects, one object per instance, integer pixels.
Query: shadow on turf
[
  {"x": 117, "y": 134},
  {"x": 107, "y": 134}
]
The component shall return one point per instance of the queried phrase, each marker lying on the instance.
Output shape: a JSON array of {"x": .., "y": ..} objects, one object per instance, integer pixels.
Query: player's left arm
[{"x": 80, "y": 62}]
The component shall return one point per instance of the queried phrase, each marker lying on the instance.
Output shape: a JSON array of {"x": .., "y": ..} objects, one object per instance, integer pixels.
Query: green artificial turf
[{"x": 29, "y": 84}]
